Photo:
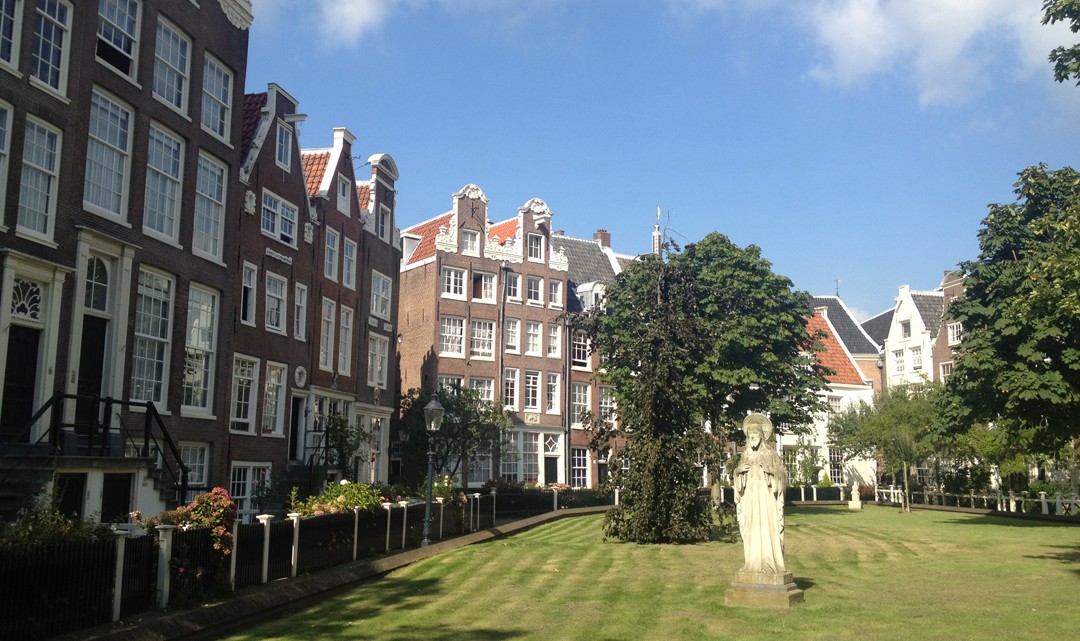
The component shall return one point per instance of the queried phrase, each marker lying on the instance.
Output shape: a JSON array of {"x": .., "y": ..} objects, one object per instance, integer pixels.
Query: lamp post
[{"x": 433, "y": 416}]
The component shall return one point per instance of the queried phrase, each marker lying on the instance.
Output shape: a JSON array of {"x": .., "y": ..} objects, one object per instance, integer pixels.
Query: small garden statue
[{"x": 760, "y": 483}]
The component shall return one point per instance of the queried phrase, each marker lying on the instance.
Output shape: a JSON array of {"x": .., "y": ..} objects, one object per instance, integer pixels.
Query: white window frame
[
  {"x": 510, "y": 388},
  {"x": 905, "y": 329},
  {"x": 7, "y": 112},
  {"x": 217, "y": 99},
  {"x": 484, "y": 386},
  {"x": 345, "y": 336},
  {"x": 283, "y": 148},
  {"x": 152, "y": 329},
  {"x": 916, "y": 358},
  {"x": 579, "y": 467},
  {"x": 327, "y": 326},
  {"x": 42, "y": 65},
  {"x": 200, "y": 341},
  {"x": 482, "y": 339},
  {"x": 534, "y": 284},
  {"x": 470, "y": 242},
  {"x": 164, "y": 184},
  {"x": 956, "y": 333},
  {"x": 382, "y": 291},
  {"x": 453, "y": 282},
  {"x": 344, "y": 201},
  {"x": 512, "y": 335},
  {"x": 277, "y": 300},
  {"x": 452, "y": 336},
  {"x": 554, "y": 342},
  {"x": 512, "y": 287},
  {"x": 579, "y": 402},
  {"x": 945, "y": 370},
  {"x": 172, "y": 67},
  {"x": 606, "y": 405},
  {"x": 11, "y": 22},
  {"x": 272, "y": 421},
  {"x": 244, "y": 397},
  {"x": 555, "y": 293},
  {"x": 348, "y": 264},
  {"x": 531, "y": 391},
  {"x": 249, "y": 288},
  {"x": 898, "y": 361},
  {"x": 47, "y": 167},
  {"x": 330, "y": 257},
  {"x": 300, "y": 300},
  {"x": 449, "y": 381},
  {"x": 196, "y": 456},
  {"x": 552, "y": 392},
  {"x": 579, "y": 350},
  {"x": 209, "y": 209},
  {"x": 382, "y": 223},
  {"x": 378, "y": 359},
  {"x": 534, "y": 338},
  {"x": 108, "y": 155},
  {"x": 483, "y": 290},
  {"x": 110, "y": 23},
  {"x": 243, "y": 475},
  {"x": 535, "y": 248},
  {"x": 279, "y": 218}
]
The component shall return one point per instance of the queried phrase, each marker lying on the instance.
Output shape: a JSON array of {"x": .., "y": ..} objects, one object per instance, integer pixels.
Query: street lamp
[{"x": 433, "y": 416}]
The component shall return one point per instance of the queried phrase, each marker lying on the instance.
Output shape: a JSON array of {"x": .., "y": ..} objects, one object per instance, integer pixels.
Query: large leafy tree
[
  {"x": 1066, "y": 60},
  {"x": 471, "y": 426},
  {"x": 1018, "y": 366},
  {"x": 898, "y": 429},
  {"x": 711, "y": 333}
]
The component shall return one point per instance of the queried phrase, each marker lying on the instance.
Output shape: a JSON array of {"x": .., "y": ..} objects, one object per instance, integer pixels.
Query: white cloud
[{"x": 347, "y": 21}]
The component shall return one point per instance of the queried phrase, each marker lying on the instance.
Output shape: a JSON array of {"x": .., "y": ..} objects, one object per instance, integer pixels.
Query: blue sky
[{"x": 852, "y": 140}]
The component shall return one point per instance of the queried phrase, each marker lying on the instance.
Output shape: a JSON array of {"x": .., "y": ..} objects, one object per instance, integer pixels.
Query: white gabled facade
[{"x": 909, "y": 346}]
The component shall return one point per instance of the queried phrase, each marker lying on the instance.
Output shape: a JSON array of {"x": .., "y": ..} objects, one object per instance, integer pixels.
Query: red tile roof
[
  {"x": 427, "y": 232},
  {"x": 363, "y": 194},
  {"x": 253, "y": 104},
  {"x": 314, "y": 167},
  {"x": 833, "y": 356},
  {"x": 505, "y": 229}
]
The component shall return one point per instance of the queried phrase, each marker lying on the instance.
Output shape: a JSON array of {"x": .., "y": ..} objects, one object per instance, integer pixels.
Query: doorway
[
  {"x": 116, "y": 497},
  {"x": 551, "y": 469},
  {"x": 91, "y": 369},
  {"x": 20, "y": 382}
]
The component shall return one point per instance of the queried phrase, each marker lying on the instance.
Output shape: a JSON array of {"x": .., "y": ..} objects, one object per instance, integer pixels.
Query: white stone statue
[{"x": 760, "y": 482}]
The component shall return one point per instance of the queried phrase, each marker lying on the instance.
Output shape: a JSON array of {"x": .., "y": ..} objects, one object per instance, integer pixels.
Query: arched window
[{"x": 97, "y": 285}]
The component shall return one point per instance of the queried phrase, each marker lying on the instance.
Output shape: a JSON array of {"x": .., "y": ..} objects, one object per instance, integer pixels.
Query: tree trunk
[{"x": 907, "y": 494}]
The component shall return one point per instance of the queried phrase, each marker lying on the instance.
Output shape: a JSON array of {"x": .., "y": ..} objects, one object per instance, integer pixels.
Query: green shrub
[
  {"x": 339, "y": 497},
  {"x": 43, "y": 525}
]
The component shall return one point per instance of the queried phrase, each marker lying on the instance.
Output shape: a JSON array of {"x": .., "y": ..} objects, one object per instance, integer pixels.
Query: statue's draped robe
[{"x": 759, "y": 491}]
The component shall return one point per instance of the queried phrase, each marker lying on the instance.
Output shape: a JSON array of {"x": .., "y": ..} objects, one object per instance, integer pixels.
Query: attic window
[
  {"x": 905, "y": 329},
  {"x": 536, "y": 247}
]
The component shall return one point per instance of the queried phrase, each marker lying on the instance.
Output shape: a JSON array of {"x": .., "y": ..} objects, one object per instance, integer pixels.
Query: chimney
[{"x": 603, "y": 237}]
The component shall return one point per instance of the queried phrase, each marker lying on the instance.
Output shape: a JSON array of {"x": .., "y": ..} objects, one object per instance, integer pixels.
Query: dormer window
[{"x": 536, "y": 247}]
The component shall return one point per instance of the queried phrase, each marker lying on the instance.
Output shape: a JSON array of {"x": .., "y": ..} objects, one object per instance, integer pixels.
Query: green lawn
[{"x": 869, "y": 575}]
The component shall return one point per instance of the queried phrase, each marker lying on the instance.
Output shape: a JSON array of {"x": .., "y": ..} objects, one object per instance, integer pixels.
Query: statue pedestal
[
  {"x": 753, "y": 589},
  {"x": 854, "y": 505}
]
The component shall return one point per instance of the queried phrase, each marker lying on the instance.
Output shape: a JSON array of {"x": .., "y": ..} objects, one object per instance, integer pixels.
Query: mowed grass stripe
[{"x": 874, "y": 574}]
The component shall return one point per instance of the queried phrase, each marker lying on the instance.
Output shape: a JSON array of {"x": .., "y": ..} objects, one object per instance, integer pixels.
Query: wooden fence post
[
  {"x": 388, "y": 507},
  {"x": 355, "y": 529},
  {"x": 118, "y": 573},
  {"x": 295, "y": 516},
  {"x": 165, "y": 542},
  {"x": 404, "y": 522},
  {"x": 265, "y": 520}
]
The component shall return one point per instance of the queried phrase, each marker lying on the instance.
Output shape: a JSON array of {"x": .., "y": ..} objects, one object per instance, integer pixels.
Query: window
[
  {"x": 510, "y": 458},
  {"x": 470, "y": 242},
  {"x": 898, "y": 360},
  {"x": 248, "y": 284},
  {"x": 382, "y": 223},
  {"x": 201, "y": 342},
  {"x": 916, "y": 358},
  {"x": 956, "y": 333},
  {"x": 344, "y": 189},
  {"x": 480, "y": 466},
  {"x": 118, "y": 31},
  {"x": 245, "y": 382},
  {"x": 513, "y": 333},
  {"x": 276, "y": 301},
  {"x": 278, "y": 219},
  {"x": 835, "y": 404},
  {"x": 535, "y": 290},
  {"x": 485, "y": 387},
  {"x": 448, "y": 382},
  {"x": 107, "y": 156},
  {"x": 579, "y": 401},
  {"x": 37, "y": 190},
  {"x": 551, "y": 393},
  {"x": 836, "y": 467},
  {"x": 555, "y": 293},
  {"x": 579, "y": 467},
  {"x": 326, "y": 335},
  {"x": 244, "y": 478},
  {"x": 217, "y": 98},
  {"x": 97, "y": 285},
  {"x": 49, "y": 51},
  {"x": 532, "y": 391},
  {"x": 164, "y": 160},
  {"x": 5, "y": 144},
  {"x": 348, "y": 268},
  {"x": 453, "y": 282},
  {"x": 554, "y": 346},
  {"x": 10, "y": 28},
  {"x": 482, "y": 339},
  {"x": 345, "y": 337},
  {"x": 209, "y": 207},
  {"x": 533, "y": 337},
  {"x": 380, "y": 295},
  {"x": 530, "y": 457},
  {"x": 300, "y": 312},
  {"x": 283, "y": 153},
  {"x": 607, "y": 405},
  {"x": 510, "y": 387},
  {"x": 513, "y": 286},
  {"x": 330, "y": 259},
  {"x": 946, "y": 370},
  {"x": 196, "y": 457},
  {"x": 579, "y": 349},
  {"x": 452, "y": 336},
  {"x": 536, "y": 247},
  {"x": 378, "y": 356},
  {"x": 483, "y": 287},
  {"x": 274, "y": 399},
  {"x": 905, "y": 329},
  {"x": 153, "y": 333},
  {"x": 171, "y": 49}
]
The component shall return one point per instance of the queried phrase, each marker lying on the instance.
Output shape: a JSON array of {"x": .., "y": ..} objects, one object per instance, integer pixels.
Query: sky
[{"x": 858, "y": 143}]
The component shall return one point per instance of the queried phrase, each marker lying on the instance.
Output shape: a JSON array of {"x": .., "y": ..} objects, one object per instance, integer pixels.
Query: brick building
[{"x": 119, "y": 152}]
